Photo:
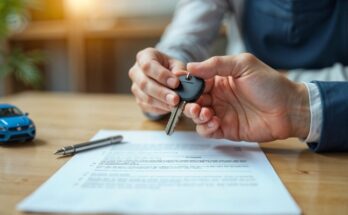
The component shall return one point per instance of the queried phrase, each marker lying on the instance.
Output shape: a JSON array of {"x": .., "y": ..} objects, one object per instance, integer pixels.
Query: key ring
[{"x": 188, "y": 76}]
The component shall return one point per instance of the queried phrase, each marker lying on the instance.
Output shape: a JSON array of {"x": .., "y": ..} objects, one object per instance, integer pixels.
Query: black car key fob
[{"x": 190, "y": 88}]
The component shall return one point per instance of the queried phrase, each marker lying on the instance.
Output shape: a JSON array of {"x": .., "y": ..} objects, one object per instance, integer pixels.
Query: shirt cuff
[{"x": 316, "y": 110}]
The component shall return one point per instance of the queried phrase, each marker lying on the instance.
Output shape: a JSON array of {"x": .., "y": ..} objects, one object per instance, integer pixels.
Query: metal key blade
[{"x": 174, "y": 117}]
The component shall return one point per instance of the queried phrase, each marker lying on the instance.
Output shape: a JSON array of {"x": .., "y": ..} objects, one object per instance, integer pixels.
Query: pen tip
[{"x": 59, "y": 152}]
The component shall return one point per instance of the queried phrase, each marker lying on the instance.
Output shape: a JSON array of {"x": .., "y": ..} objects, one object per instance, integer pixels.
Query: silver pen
[{"x": 68, "y": 150}]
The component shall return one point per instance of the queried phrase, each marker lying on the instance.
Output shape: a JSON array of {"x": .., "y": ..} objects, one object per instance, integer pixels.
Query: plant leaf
[{"x": 24, "y": 67}]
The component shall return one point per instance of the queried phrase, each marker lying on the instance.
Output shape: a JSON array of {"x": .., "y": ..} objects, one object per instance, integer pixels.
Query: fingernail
[
  {"x": 172, "y": 82},
  {"x": 170, "y": 99},
  {"x": 192, "y": 111},
  {"x": 201, "y": 117},
  {"x": 211, "y": 125}
]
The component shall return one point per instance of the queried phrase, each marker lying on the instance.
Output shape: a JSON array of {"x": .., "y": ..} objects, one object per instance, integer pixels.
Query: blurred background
[{"x": 78, "y": 45}]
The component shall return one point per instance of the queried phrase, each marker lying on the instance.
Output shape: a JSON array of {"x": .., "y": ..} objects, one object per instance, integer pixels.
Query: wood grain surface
[{"x": 317, "y": 182}]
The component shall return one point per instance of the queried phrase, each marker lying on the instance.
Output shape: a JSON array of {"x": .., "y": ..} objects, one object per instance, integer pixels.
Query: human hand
[
  {"x": 154, "y": 75},
  {"x": 245, "y": 99}
]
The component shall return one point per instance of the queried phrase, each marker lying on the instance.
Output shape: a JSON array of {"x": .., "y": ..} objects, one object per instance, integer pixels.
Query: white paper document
[{"x": 151, "y": 173}]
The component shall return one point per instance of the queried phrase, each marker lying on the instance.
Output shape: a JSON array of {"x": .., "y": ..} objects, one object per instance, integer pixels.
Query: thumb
[{"x": 233, "y": 66}]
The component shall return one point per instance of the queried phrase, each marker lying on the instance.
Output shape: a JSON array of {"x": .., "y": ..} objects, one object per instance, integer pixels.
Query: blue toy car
[{"x": 15, "y": 126}]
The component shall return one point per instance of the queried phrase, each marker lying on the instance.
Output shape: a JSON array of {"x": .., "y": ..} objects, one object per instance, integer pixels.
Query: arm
[
  {"x": 315, "y": 140},
  {"x": 244, "y": 99},
  {"x": 195, "y": 26}
]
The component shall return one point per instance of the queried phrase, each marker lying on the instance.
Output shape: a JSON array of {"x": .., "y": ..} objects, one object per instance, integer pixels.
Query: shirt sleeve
[
  {"x": 195, "y": 25},
  {"x": 335, "y": 73},
  {"x": 316, "y": 110},
  {"x": 333, "y": 136}
]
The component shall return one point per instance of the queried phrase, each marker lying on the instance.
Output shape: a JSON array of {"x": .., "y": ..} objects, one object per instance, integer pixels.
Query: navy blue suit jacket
[{"x": 334, "y": 134}]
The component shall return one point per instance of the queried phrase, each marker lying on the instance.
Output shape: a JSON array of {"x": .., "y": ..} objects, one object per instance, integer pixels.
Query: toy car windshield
[{"x": 10, "y": 112}]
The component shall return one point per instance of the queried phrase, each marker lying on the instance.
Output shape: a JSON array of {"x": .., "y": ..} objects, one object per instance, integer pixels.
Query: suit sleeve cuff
[{"x": 316, "y": 110}]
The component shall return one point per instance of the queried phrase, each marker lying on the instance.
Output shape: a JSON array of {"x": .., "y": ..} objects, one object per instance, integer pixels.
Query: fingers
[
  {"x": 223, "y": 66},
  {"x": 207, "y": 124},
  {"x": 150, "y": 109},
  {"x": 209, "y": 84},
  {"x": 179, "y": 72},
  {"x": 144, "y": 98},
  {"x": 205, "y": 100},
  {"x": 149, "y": 63},
  {"x": 210, "y": 129},
  {"x": 151, "y": 88},
  {"x": 153, "y": 78},
  {"x": 197, "y": 113},
  {"x": 175, "y": 65}
]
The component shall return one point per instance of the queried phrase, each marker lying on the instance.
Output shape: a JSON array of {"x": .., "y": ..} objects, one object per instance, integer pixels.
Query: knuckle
[
  {"x": 247, "y": 58},
  {"x": 146, "y": 66},
  {"x": 142, "y": 52},
  {"x": 143, "y": 84},
  {"x": 149, "y": 49},
  {"x": 133, "y": 89},
  {"x": 216, "y": 60},
  {"x": 148, "y": 99},
  {"x": 131, "y": 72},
  {"x": 139, "y": 55},
  {"x": 162, "y": 76}
]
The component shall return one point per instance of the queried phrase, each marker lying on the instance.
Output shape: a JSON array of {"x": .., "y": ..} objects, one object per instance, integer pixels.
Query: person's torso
[{"x": 289, "y": 34}]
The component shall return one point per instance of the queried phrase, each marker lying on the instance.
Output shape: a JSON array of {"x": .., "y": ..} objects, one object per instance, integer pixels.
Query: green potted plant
[{"x": 15, "y": 61}]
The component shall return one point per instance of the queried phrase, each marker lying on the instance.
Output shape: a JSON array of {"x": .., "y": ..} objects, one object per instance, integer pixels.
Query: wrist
[{"x": 299, "y": 111}]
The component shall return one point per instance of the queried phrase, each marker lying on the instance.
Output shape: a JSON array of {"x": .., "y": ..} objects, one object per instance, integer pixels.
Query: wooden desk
[{"x": 318, "y": 182}]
